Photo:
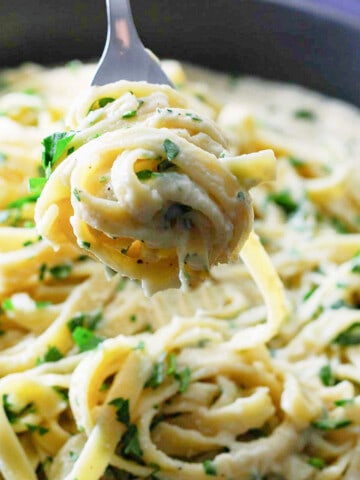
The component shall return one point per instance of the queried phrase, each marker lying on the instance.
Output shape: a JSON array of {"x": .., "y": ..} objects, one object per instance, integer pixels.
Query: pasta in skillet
[{"x": 251, "y": 375}]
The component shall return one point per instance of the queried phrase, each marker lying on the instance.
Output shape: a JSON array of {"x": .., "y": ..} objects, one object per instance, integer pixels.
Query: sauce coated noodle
[{"x": 251, "y": 375}]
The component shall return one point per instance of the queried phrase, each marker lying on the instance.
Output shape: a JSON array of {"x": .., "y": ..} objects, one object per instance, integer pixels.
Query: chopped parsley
[
  {"x": 122, "y": 409},
  {"x": 284, "y": 200},
  {"x": 350, "y": 336},
  {"x": 157, "y": 376},
  {"x": 54, "y": 146},
  {"x": 130, "y": 445},
  {"x": 76, "y": 194},
  {"x": 73, "y": 456},
  {"x": 200, "y": 97},
  {"x": 106, "y": 384},
  {"x": 42, "y": 304},
  {"x": 296, "y": 162},
  {"x": 209, "y": 468},
  {"x": 87, "y": 320},
  {"x": 36, "y": 185},
  {"x": 339, "y": 226},
  {"x": 3, "y": 157},
  {"x": 171, "y": 367},
  {"x": 140, "y": 346},
  {"x": 37, "y": 428},
  {"x": 53, "y": 354},
  {"x": 85, "y": 339},
  {"x": 101, "y": 103},
  {"x": 166, "y": 367},
  {"x": 317, "y": 462},
  {"x": 62, "y": 392},
  {"x": 304, "y": 114},
  {"x": 331, "y": 424},
  {"x": 103, "y": 179},
  {"x": 356, "y": 264},
  {"x": 7, "y": 304},
  {"x": 193, "y": 117},
  {"x": 129, "y": 114},
  {"x": 171, "y": 149},
  {"x": 240, "y": 196},
  {"x": 340, "y": 304},
  {"x": 42, "y": 271},
  {"x": 85, "y": 245},
  {"x": 326, "y": 376},
  {"x": 184, "y": 378},
  {"x": 20, "y": 202},
  {"x": 344, "y": 401},
  {"x": 12, "y": 414},
  {"x": 145, "y": 174},
  {"x": 164, "y": 165},
  {"x": 60, "y": 272},
  {"x": 309, "y": 293}
]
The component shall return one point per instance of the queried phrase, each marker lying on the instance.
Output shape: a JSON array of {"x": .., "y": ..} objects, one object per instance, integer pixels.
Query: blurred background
[{"x": 312, "y": 42}]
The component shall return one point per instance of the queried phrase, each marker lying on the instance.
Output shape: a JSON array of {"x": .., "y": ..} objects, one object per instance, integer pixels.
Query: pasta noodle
[
  {"x": 253, "y": 373},
  {"x": 150, "y": 198}
]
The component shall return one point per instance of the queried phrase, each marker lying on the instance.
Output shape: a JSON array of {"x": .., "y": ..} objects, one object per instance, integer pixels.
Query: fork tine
[{"x": 124, "y": 55}]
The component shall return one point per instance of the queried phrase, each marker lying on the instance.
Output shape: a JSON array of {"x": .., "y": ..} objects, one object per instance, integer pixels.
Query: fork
[{"x": 124, "y": 56}]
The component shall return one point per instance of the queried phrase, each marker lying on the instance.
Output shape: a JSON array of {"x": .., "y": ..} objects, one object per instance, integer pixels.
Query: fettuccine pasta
[
  {"x": 251, "y": 374},
  {"x": 144, "y": 189}
]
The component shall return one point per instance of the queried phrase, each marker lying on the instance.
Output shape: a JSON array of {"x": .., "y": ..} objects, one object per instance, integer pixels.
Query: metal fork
[{"x": 124, "y": 56}]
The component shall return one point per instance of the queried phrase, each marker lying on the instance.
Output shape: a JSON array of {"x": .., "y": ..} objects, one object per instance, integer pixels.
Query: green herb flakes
[
  {"x": 40, "y": 304},
  {"x": 342, "y": 402},
  {"x": 101, "y": 103},
  {"x": 130, "y": 444},
  {"x": 296, "y": 162},
  {"x": 165, "y": 165},
  {"x": 87, "y": 320},
  {"x": 317, "y": 462},
  {"x": 37, "y": 428},
  {"x": 304, "y": 114},
  {"x": 330, "y": 424},
  {"x": 7, "y": 304},
  {"x": 76, "y": 194},
  {"x": 36, "y": 185},
  {"x": 284, "y": 200},
  {"x": 209, "y": 468},
  {"x": 122, "y": 409},
  {"x": 62, "y": 392},
  {"x": 53, "y": 354},
  {"x": 140, "y": 346},
  {"x": 3, "y": 157},
  {"x": 144, "y": 174},
  {"x": 171, "y": 149},
  {"x": 157, "y": 375},
  {"x": 14, "y": 414},
  {"x": 85, "y": 339},
  {"x": 310, "y": 292},
  {"x": 166, "y": 367},
  {"x": 350, "y": 336},
  {"x": 73, "y": 456},
  {"x": 326, "y": 376},
  {"x": 53, "y": 148},
  {"x": 130, "y": 114},
  {"x": 20, "y": 202},
  {"x": 60, "y": 272}
]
